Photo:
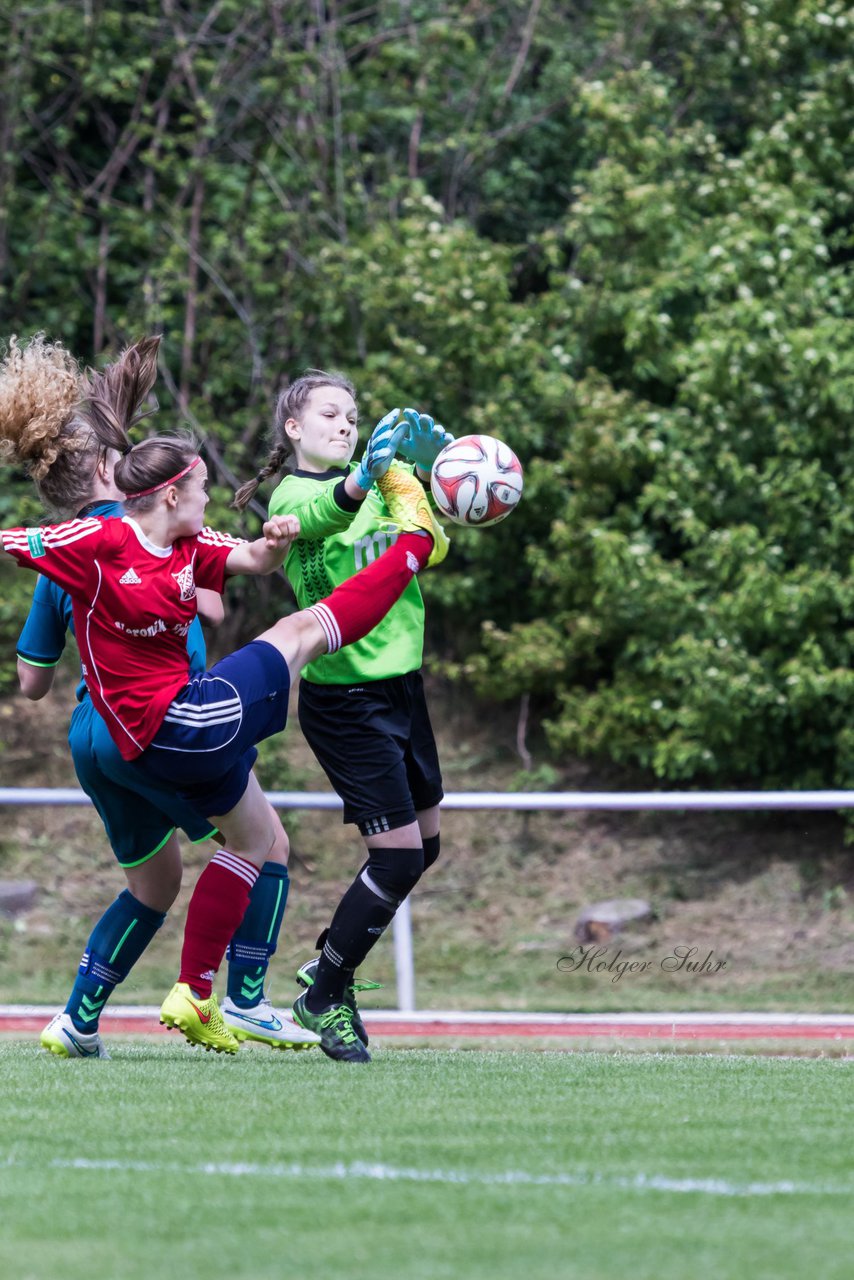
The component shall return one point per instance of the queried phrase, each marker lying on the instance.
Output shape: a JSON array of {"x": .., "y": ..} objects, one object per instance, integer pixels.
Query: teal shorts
[{"x": 139, "y": 813}]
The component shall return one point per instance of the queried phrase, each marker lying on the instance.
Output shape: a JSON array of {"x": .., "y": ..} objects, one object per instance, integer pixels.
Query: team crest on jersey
[{"x": 186, "y": 582}]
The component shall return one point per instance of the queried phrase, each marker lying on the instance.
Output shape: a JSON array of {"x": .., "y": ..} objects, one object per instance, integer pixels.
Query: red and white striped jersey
[{"x": 133, "y": 603}]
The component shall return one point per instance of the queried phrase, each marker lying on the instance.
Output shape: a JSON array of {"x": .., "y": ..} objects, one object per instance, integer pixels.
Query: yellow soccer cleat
[
  {"x": 409, "y": 509},
  {"x": 199, "y": 1020}
]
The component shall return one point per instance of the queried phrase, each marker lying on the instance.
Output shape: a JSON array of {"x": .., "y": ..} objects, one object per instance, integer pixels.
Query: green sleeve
[
  {"x": 333, "y": 546},
  {"x": 314, "y": 503}
]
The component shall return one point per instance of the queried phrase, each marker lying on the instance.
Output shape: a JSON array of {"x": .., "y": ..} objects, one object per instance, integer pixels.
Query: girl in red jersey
[
  {"x": 141, "y": 820},
  {"x": 133, "y": 584}
]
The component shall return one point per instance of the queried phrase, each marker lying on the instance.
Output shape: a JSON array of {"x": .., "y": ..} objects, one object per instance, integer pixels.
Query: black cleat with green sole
[
  {"x": 305, "y": 977},
  {"x": 338, "y": 1038}
]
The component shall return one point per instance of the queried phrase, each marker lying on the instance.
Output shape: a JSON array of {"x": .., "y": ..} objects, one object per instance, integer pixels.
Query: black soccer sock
[
  {"x": 362, "y": 917},
  {"x": 432, "y": 845}
]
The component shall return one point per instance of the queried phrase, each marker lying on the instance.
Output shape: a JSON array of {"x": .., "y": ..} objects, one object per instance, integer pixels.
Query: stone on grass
[
  {"x": 602, "y": 921},
  {"x": 17, "y": 896}
]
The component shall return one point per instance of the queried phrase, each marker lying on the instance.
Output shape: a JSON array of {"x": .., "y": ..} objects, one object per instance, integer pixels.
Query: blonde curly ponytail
[{"x": 39, "y": 392}]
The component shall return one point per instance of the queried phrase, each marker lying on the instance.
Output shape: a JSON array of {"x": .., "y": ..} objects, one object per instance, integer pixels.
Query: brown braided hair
[{"x": 290, "y": 404}]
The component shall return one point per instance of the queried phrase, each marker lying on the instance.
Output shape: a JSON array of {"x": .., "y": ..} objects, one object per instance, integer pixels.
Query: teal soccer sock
[
  {"x": 255, "y": 940},
  {"x": 115, "y": 944}
]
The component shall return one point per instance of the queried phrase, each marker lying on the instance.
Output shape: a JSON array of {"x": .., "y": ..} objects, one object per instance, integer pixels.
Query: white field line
[{"x": 358, "y": 1170}]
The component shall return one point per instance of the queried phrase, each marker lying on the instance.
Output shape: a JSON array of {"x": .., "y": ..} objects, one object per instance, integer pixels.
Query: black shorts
[{"x": 376, "y": 746}]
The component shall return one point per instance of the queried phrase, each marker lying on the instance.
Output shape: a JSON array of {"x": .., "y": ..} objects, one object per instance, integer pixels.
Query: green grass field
[{"x": 428, "y": 1163}]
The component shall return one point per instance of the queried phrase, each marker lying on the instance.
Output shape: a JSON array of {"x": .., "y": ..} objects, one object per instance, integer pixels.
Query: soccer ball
[{"x": 476, "y": 480}]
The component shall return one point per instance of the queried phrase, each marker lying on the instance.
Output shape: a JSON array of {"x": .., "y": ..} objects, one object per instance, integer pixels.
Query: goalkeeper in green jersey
[{"x": 362, "y": 710}]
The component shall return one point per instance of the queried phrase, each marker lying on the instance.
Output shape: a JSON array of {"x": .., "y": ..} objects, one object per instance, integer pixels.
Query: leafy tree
[{"x": 617, "y": 236}]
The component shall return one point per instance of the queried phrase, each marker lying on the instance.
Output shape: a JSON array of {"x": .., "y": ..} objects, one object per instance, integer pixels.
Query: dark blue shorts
[
  {"x": 206, "y": 744},
  {"x": 376, "y": 746},
  {"x": 139, "y": 813}
]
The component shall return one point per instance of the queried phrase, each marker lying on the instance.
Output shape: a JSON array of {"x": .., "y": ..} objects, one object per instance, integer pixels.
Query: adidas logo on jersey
[{"x": 131, "y": 578}]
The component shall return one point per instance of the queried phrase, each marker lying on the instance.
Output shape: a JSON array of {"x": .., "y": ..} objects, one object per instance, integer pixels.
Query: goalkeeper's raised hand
[
  {"x": 424, "y": 439},
  {"x": 380, "y": 449}
]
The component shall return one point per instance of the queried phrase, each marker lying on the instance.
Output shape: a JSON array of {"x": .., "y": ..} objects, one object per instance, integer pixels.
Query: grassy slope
[{"x": 770, "y": 894}]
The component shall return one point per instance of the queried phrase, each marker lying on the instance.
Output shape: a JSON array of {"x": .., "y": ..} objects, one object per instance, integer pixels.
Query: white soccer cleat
[
  {"x": 61, "y": 1037},
  {"x": 267, "y": 1025}
]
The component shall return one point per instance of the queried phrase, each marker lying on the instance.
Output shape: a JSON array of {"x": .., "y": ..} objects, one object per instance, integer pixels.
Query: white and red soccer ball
[{"x": 476, "y": 480}]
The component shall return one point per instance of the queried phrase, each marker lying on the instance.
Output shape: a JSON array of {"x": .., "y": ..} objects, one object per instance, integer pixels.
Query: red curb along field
[{"x": 429, "y": 1024}]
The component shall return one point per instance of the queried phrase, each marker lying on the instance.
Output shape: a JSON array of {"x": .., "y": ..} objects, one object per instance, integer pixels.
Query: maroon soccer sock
[
  {"x": 216, "y": 908},
  {"x": 362, "y": 601}
]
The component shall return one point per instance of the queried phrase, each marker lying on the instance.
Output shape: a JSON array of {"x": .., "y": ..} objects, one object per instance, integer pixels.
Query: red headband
[{"x": 163, "y": 483}]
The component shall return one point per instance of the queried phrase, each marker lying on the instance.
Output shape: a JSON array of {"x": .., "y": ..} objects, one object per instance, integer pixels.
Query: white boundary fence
[
  {"x": 521, "y": 801},
  {"x": 518, "y": 800}
]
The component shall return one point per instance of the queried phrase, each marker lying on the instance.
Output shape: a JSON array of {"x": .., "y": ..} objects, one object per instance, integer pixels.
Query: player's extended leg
[
  {"x": 117, "y": 941},
  {"x": 356, "y": 606}
]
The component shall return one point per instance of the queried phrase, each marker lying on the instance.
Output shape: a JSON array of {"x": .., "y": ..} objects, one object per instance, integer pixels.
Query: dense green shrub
[{"x": 616, "y": 236}]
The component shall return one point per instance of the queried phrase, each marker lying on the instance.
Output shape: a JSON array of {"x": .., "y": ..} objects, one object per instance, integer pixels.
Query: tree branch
[{"x": 524, "y": 47}]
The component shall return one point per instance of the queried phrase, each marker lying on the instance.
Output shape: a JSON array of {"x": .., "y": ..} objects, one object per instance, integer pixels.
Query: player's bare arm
[
  {"x": 267, "y": 553},
  {"x": 210, "y": 606},
  {"x": 35, "y": 682}
]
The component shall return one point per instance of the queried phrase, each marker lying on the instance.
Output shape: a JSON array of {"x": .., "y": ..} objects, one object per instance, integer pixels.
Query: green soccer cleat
[
  {"x": 334, "y": 1025},
  {"x": 305, "y": 977},
  {"x": 410, "y": 510},
  {"x": 199, "y": 1020}
]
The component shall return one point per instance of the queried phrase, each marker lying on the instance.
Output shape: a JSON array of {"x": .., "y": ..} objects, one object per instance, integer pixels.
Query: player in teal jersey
[{"x": 362, "y": 710}]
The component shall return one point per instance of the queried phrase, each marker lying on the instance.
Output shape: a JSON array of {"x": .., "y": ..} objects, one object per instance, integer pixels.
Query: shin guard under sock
[
  {"x": 115, "y": 944},
  {"x": 216, "y": 908},
  {"x": 361, "y": 918},
  {"x": 256, "y": 937},
  {"x": 431, "y": 850}
]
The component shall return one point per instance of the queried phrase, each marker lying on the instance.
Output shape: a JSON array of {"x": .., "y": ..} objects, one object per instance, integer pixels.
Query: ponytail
[
  {"x": 39, "y": 392},
  {"x": 115, "y": 396},
  {"x": 42, "y": 426},
  {"x": 115, "y": 404}
]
